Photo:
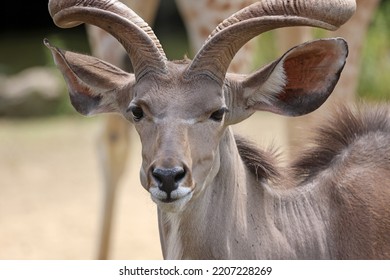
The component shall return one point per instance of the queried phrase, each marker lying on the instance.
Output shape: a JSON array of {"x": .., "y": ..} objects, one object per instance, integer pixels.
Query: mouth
[
  {"x": 168, "y": 200},
  {"x": 173, "y": 202}
]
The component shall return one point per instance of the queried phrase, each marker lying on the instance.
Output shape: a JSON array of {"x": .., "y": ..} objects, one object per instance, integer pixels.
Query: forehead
[{"x": 175, "y": 93}]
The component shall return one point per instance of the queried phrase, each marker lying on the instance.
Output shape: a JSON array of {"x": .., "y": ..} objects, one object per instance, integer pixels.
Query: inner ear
[
  {"x": 312, "y": 73},
  {"x": 300, "y": 81}
]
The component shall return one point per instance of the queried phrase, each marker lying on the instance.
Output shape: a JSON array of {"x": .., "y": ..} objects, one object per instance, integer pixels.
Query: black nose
[{"x": 168, "y": 179}]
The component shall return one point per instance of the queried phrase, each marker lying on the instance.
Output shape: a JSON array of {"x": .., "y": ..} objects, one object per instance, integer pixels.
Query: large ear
[
  {"x": 94, "y": 86},
  {"x": 299, "y": 82}
]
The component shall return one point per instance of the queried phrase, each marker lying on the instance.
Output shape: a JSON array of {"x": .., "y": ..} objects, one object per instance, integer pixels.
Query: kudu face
[
  {"x": 179, "y": 134},
  {"x": 181, "y": 109}
]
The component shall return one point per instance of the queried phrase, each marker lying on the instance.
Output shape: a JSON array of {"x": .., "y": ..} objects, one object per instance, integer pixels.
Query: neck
[{"x": 239, "y": 216}]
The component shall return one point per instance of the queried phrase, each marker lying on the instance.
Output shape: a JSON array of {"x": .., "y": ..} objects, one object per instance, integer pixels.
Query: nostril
[
  {"x": 180, "y": 175},
  {"x": 173, "y": 174},
  {"x": 157, "y": 175},
  {"x": 168, "y": 178}
]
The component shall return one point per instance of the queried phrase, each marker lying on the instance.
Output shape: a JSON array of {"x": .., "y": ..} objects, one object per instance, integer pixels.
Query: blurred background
[{"x": 49, "y": 174}]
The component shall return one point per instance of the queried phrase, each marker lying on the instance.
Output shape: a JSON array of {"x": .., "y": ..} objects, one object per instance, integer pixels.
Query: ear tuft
[{"x": 276, "y": 82}]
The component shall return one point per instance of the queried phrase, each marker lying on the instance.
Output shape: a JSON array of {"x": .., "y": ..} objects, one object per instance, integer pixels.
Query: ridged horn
[
  {"x": 214, "y": 57},
  {"x": 138, "y": 39}
]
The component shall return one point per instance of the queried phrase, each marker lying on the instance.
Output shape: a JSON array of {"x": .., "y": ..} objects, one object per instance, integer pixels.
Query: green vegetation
[
  {"x": 22, "y": 50},
  {"x": 374, "y": 83}
]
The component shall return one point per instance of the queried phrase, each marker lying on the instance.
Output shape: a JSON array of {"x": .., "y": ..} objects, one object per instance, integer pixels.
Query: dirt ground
[{"x": 50, "y": 190}]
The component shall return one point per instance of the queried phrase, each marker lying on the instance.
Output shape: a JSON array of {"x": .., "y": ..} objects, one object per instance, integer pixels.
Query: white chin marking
[{"x": 181, "y": 196}]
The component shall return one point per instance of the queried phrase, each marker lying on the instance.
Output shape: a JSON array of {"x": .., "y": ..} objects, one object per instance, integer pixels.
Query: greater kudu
[{"x": 217, "y": 195}]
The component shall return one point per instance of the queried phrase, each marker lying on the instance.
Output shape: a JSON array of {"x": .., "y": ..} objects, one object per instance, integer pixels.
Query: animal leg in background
[{"x": 113, "y": 142}]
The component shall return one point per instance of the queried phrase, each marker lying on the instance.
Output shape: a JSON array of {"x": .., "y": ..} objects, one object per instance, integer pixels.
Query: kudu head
[{"x": 181, "y": 109}]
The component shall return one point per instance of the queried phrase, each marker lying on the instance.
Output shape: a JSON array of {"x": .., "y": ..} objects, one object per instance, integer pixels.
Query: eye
[
  {"x": 218, "y": 115},
  {"x": 136, "y": 112}
]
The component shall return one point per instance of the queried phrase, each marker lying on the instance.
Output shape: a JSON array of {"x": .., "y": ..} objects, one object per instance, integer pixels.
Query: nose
[{"x": 168, "y": 178}]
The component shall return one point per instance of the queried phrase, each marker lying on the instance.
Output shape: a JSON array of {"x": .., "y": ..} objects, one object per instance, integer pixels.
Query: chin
[{"x": 176, "y": 203}]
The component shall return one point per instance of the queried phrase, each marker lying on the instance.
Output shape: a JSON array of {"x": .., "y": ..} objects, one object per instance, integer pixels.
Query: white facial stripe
[{"x": 181, "y": 121}]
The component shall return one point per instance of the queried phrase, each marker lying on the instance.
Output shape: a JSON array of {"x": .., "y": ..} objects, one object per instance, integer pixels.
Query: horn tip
[
  {"x": 47, "y": 43},
  {"x": 52, "y": 48}
]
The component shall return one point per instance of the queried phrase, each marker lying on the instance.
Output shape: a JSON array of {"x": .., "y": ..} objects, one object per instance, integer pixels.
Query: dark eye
[
  {"x": 218, "y": 115},
  {"x": 136, "y": 112}
]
